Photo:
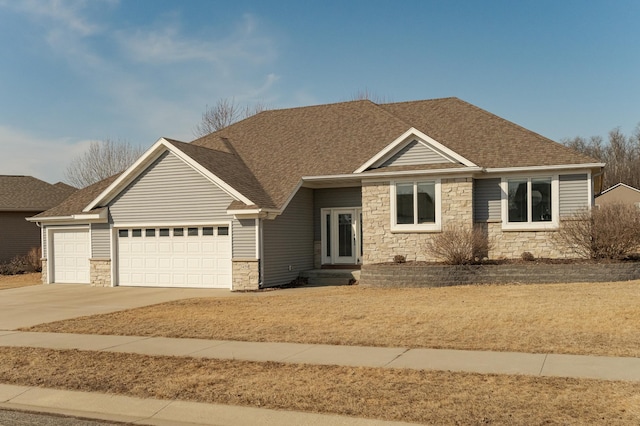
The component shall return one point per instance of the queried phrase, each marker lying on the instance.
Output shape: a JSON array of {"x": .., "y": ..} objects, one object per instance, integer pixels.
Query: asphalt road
[{"x": 23, "y": 418}]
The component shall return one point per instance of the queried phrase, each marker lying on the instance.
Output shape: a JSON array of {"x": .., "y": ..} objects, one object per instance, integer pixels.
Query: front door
[{"x": 341, "y": 236}]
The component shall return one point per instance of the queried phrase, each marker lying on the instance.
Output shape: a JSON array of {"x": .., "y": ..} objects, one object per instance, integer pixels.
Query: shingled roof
[
  {"x": 264, "y": 157},
  {"x": 79, "y": 200},
  {"x": 483, "y": 138},
  {"x": 26, "y": 193}
]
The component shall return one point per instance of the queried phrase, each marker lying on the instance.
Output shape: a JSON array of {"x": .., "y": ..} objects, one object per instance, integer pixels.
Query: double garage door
[{"x": 196, "y": 256}]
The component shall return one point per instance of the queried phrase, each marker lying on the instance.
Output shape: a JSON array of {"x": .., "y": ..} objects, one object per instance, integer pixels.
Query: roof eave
[
  {"x": 583, "y": 166},
  {"x": 360, "y": 176},
  {"x": 98, "y": 217}
]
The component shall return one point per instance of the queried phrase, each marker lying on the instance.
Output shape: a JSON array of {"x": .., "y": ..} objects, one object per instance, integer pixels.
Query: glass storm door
[{"x": 341, "y": 236}]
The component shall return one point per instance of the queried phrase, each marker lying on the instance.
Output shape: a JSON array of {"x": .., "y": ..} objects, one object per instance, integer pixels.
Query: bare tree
[
  {"x": 102, "y": 160},
  {"x": 224, "y": 113},
  {"x": 366, "y": 94},
  {"x": 621, "y": 154}
]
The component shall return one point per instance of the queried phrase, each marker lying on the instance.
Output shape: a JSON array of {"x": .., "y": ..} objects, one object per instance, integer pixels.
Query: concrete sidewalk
[
  {"x": 120, "y": 408},
  {"x": 555, "y": 365}
]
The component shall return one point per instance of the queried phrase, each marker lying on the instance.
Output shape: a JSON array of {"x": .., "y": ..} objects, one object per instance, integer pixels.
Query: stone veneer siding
[
  {"x": 246, "y": 274},
  {"x": 511, "y": 244},
  {"x": 44, "y": 271},
  {"x": 100, "y": 272},
  {"x": 404, "y": 275},
  {"x": 381, "y": 244}
]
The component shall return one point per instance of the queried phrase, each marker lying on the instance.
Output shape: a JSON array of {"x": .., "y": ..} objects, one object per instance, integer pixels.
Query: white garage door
[
  {"x": 70, "y": 256},
  {"x": 175, "y": 257}
]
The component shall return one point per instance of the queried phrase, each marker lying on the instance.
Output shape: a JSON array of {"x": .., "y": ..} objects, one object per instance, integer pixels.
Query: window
[
  {"x": 192, "y": 232},
  {"x": 207, "y": 230},
  {"x": 415, "y": 206},
  {"x": 530, "y": 202},
  {"x": 223, "y": 230},
  {"x": 136, "y": 233},
  {"x": 122, "y": 233},
  {"x": 150, "y": 232},
  {"x": 178, "y": 232},
  {"x": 164, "y": 232}
]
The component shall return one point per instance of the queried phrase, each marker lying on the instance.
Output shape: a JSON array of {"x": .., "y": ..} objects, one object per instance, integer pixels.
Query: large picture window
[
  {"x": 415, "y": 205},
  {"x": 530, "y": 202}
]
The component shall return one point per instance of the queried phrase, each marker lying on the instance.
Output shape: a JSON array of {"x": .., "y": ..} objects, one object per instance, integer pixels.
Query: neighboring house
[
  {"x": 619, "y": 194},
  {"x": 22, "y": 197},
  {"x": 285, "y": 191}
]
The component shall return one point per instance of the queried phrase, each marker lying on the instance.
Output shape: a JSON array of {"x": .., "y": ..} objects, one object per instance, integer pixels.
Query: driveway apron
[{"x": 28, "y": 306}]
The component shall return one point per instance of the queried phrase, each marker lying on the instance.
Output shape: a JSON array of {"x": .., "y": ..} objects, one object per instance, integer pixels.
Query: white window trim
[
  {"x": 531, "y": 226},
  {"x": 423, "y": 227}
]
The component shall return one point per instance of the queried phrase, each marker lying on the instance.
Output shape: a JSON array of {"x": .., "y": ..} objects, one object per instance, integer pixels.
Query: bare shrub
[
  {"x": 30, "y": 262},
  {"x": 398, "y": 258},
  {"x": 528, "y": 256},
  {"x": 459, "y": 246},
  {"x": 34, "y": 259},
  {"x": 610, "y": 232}
]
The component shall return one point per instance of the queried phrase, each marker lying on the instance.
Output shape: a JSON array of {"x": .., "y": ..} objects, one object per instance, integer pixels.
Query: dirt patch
[
  {"x": 20, "y": 280},
  {"x": 591, "y": 318},
  {"x": 407, "y": 395}
]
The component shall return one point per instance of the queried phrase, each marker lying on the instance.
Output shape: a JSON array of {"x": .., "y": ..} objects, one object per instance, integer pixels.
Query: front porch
[{"x": 332, "y": 276}]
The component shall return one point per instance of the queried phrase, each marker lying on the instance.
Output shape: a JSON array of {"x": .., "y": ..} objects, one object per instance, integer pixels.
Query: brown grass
[
  {"x": 20, "y": 280},
  {"x": 600, "y": 319},
  {"x": 416, "y": 396}
]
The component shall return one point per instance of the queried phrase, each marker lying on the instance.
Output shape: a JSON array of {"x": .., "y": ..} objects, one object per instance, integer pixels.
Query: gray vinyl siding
[
  {"x": 170, "y": 191},
  {"x": 415, "y": 153},
  {"x": 17, "y": 236},
  {"x": 244, "y": 238},
  {"x": 100, "y": 241},
  {"x": 486, "y": 200},
  {"x": 288, "y": 241},
  {"x": 574, "y": 193},
  {"x": 330, "y": 198}
]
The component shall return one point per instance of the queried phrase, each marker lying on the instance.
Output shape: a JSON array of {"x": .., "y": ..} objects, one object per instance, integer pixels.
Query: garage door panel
[
  {"x": 70, "y": 256},
  {"x": 188, "y": 260}
]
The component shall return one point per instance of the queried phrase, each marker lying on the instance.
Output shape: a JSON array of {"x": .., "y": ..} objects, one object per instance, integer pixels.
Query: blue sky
[{"x": 75, "y": 71}]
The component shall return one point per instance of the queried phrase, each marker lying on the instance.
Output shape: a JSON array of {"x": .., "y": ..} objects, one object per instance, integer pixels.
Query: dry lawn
[
  {"x": 415, "y": 396},
  {"x": 600, "y": 318},
  {"x": 21, "y": 280}
]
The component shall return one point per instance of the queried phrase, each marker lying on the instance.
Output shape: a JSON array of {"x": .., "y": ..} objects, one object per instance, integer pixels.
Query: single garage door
[
  {"x": 70, "y": 256},
  {"x": 175, "y": 257}
]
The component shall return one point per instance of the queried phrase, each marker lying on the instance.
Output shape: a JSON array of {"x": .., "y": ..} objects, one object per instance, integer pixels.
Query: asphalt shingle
[{"x": 27, "y": 193}]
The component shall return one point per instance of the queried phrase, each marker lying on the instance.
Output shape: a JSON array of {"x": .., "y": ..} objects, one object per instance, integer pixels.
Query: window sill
[
  {"x": 546, "y": 226},
  {"x": 399, "y": 229}
]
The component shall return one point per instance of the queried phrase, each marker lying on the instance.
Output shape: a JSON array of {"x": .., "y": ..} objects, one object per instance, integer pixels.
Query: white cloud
[
  {"x": 66, "y": 14},
  {"x": 33, "y": 155},
  {"x": 150, "y": 81}
]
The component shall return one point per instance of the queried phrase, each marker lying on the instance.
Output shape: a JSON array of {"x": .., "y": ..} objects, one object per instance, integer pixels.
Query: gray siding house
[
  {"x": 22, "y": 197},
  {"x": 257, "y": 203}
]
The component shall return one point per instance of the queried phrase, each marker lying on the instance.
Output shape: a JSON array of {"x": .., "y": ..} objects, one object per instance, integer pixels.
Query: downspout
[{"x": 261, "y": 253}]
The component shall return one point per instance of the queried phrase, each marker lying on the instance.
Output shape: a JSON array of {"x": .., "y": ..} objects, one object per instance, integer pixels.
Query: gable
[
  {"x": 169, "y": 190},
  {"x": 414, "y": 148},
  {"x": 414, "y": 153}
]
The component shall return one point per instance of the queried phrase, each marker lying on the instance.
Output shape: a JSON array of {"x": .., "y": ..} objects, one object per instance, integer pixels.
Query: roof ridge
[{"x": 421, "y": 100}]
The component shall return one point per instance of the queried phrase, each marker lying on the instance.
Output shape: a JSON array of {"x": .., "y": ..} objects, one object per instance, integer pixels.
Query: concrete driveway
[{"x": 27, "y": 306}]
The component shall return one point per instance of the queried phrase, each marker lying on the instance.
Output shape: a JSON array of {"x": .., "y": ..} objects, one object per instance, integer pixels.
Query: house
[
  {"x": 289, "y": 190},
  {"x": 619, "y": 193},
  {"x": 22, "y": 197}
]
